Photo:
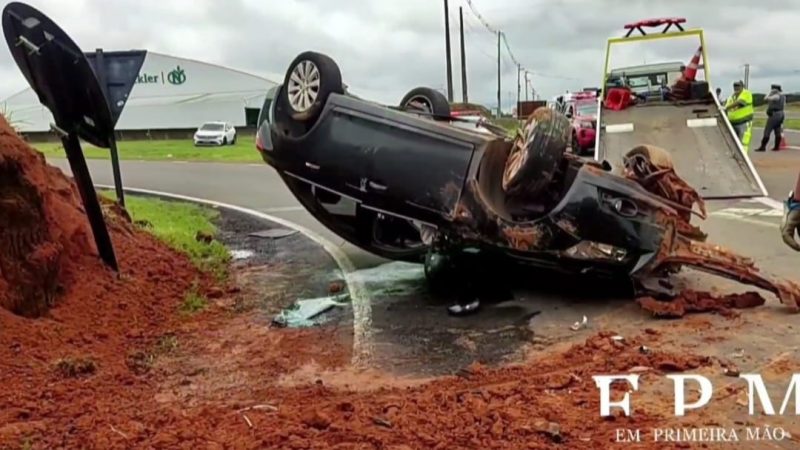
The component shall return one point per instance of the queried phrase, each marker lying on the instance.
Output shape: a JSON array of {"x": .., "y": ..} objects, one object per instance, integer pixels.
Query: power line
[
  {"x": 510, "y": 53},
  {"x": 469, "y": 29},
  {"x": 480, "y": 18},
  {"x": 507, "y": 46}
]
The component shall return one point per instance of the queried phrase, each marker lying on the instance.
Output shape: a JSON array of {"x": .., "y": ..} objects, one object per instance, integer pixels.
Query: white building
[{"x": 170, "y": 93}]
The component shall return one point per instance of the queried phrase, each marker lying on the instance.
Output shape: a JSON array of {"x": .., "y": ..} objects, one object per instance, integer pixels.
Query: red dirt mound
[
  {"x": 697, "y": 302},
  {"x": 91, "y": 319},
  {"x": 43, "y": 231}
]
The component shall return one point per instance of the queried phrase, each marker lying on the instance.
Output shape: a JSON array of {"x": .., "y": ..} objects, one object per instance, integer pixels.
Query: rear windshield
[{"x": 212, "y": 127}]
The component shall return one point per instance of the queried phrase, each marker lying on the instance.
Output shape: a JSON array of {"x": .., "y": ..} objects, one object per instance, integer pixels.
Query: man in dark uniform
[
  {"x": 791, "y": 218},
  {"x": 776, "y": 102}
]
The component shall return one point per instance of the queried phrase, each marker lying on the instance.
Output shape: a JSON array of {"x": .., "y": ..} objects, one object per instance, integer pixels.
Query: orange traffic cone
[
  {"x": 691, "y": 70},
  {"x": 783, "y": 145}
]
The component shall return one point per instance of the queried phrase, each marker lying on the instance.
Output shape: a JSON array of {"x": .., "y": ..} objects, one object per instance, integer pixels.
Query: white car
[{"x": 215, "y": 133}]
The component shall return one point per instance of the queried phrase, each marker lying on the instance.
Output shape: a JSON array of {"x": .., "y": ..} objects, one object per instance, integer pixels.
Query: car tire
[
  {"x": 224, "y": 141},
  {"x": 233, "y": 141},
  {"x": 312, "y": 77},
  {"x": 430, "y": 100},
  {"x": 532, "y": 165}
]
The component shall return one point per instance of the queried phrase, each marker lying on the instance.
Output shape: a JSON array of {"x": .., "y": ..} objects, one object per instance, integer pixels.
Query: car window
[
  {"x": 264, "y": 113},
  {"x": 212, "y": 127}
]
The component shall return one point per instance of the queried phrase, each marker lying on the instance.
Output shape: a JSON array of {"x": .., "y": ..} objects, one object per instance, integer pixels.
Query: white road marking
[
  {"x": 744, "y": 219},
  {"x": 280, "y": 209},
  {"x": 619, "y": 128},
  {"x": 362, "y": 306},
  {"x": 699, "y": 123},
  {"x": 750, "y": 212},
  {"x": 771, "y": 202}
]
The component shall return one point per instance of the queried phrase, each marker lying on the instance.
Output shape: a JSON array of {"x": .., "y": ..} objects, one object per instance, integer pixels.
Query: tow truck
[
  {"x": 581, "y": 110},
  {"x": 692, "y": 127}
]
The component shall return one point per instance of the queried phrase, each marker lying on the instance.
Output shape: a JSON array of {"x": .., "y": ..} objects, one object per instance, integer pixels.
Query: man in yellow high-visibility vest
[{"x": 739, "y": 108}]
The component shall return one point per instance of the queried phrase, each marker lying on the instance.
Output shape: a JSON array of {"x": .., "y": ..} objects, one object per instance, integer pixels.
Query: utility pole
[
  {"x": 447, "y": 45},
  {"x": 464, "y": 97},
  {"x": 527, "y": 82},
  {"x": 519, "y": 86},
  {"x": 747, "y": 76},
  {"x": 499, "y": 101}
]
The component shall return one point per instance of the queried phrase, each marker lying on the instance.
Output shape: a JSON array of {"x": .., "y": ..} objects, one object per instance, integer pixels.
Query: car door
[{"x": 418, "y": 173}]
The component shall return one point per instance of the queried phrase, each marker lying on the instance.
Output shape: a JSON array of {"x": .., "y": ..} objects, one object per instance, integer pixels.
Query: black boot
[{"x": 761, "y": 149}]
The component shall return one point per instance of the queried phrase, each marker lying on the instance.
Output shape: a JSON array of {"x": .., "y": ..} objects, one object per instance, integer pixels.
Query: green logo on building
[{"x": 177, "y": 76}]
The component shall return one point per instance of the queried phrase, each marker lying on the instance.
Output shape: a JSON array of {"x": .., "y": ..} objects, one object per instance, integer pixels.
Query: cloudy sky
[{"x": 386, "y": 47}]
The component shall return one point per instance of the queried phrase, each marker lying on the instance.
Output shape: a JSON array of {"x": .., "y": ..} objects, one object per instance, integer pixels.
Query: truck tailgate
[{"x": 703, "y": 148}]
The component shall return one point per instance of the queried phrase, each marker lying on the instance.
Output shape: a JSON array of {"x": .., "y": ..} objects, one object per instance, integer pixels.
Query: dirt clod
[
  {"x": 550, "y": 429},
  {"x": 699, "y": 302},
  {"x": 214, "y": 293},
  {"x": 336, "y": 287},
  {"x": 318, "y": 420}
]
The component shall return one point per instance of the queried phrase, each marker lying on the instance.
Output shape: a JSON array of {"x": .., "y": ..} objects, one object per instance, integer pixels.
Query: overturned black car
[{"x": 411, "y": 182}]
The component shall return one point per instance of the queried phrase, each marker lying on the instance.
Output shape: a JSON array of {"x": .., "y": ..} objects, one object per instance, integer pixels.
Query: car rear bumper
[{"x": 208, "y": 141}]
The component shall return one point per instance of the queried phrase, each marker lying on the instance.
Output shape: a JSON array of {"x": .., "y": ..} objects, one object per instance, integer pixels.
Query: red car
[{"x": 581, "y": 109}]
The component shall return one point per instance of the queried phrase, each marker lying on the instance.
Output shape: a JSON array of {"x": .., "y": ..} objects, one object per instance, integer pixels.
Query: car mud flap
[{"x": 677, "y": 250}]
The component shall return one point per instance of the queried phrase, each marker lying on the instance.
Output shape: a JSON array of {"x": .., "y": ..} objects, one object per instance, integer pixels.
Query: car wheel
[
  {"x": 225, "y": 141},
  {"x": 426, "y": 100},
  {"x": 534, "y": 159},
  {"x": 311, "y": 79},
  {"x": 233, "y": 141}
]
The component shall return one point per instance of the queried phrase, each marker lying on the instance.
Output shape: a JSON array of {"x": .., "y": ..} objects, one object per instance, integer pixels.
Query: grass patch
[
  {"x": 164, "y": 150},
  {"x": 193, "y": 302},
  {"x": 75, "y": 367},
  {"x": 510, "y": 124},
  {"x": 788, "y": 124},
  {"x": 790, "y": 107},
  {"x": 142, "y": 362},
  {"x": 26, "y": 444},
  {"x": 177, "y": 224}
]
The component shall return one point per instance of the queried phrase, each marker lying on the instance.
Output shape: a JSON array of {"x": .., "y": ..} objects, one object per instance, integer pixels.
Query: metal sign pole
[
  {"x": 80, "y": 171},
  {"x": 116, "y": 169},
  {"x": 100, "y": 70}
]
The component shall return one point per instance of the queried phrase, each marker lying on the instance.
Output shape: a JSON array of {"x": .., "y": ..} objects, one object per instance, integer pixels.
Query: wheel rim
[
  {"x": 304, "y": 83},
  {"x": 420, "y": 102}
]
